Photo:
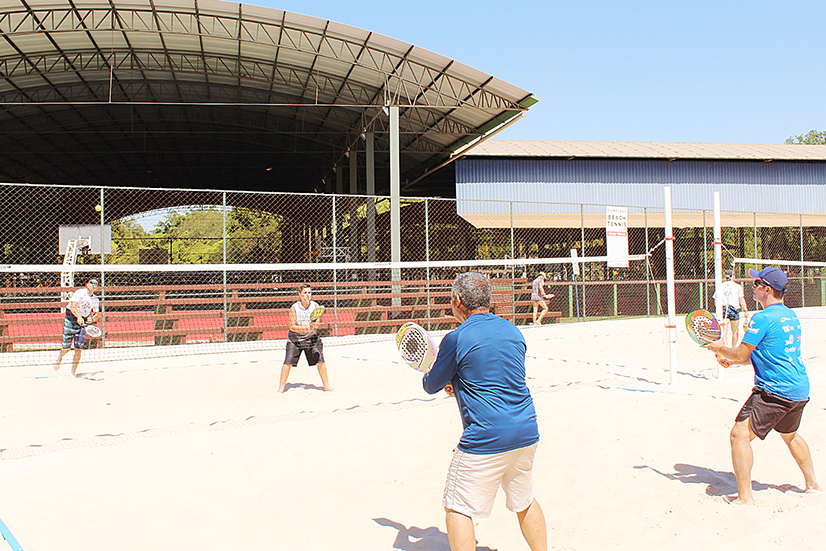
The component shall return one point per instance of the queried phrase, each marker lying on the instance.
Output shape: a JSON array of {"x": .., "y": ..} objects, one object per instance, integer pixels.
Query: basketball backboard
[{"x": 83, "y": 232}]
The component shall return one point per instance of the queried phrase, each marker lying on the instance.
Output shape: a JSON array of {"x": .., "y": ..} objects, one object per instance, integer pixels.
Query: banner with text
[{"x": 616, "y": 236}]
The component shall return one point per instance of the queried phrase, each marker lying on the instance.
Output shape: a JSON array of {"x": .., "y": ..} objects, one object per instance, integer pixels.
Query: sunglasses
[{"x": 759, "y": 283}]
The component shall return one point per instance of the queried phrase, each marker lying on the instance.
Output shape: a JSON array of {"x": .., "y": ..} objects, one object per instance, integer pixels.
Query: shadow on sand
[
  {"x": 419, "y": 539},
  {"x": 718, "y": 483}
]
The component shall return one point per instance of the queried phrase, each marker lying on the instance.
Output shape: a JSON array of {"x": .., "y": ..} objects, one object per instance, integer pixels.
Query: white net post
[
  {"x": 718, "y": 267},
  {"x": 669, "y": 268}
]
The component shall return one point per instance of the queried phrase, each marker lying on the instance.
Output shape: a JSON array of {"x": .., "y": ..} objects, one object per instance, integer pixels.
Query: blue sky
[{"x": 662, "y": 71}]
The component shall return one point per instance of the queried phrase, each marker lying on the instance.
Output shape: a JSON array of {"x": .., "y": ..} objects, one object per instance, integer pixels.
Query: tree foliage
[
  {"x": 812, "y": 137},
  {"x": 197, "y": 237}
]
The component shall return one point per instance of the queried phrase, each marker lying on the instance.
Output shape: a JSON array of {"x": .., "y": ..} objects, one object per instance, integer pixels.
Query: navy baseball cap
[{"x": 773, "y": 277}]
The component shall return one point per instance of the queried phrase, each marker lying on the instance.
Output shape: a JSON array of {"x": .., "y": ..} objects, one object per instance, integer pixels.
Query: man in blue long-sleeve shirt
[{"x": 482, "y": 364}]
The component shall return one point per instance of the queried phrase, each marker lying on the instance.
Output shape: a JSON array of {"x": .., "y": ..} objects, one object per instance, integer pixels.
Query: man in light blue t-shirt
[{"x": 781, "y": 386}]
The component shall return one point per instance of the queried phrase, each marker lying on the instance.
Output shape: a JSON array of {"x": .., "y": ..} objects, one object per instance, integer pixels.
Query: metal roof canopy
[
  {"x": 559, "y": 184},
  {"x": 211, "y": 94}
]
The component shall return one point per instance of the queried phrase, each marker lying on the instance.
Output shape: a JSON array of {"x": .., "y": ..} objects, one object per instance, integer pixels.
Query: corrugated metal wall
[{"x": 775, "y": 187}]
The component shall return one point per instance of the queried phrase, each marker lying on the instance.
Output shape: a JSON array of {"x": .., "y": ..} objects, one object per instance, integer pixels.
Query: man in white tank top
[{"x": 302, "y": 337}]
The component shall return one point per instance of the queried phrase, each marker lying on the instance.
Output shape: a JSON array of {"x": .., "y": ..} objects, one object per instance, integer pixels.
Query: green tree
[
  {"x": 812, "y": 137},
  {"x": 195, "y": 236},
  {"x": 128, "y": 238}
]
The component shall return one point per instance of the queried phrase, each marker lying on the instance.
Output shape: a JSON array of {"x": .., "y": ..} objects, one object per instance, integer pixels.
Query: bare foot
[
  {"x": 57, "y": 366},
  {"x": 810, "y": 489},
  {"x": 328, "y": 389},
  {"x": 738, "y": 501}
]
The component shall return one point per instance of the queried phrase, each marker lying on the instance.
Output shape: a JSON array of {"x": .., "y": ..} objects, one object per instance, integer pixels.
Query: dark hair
[
  {"x": 304, "y": 286},
  {"x": 474, "y": 288}
]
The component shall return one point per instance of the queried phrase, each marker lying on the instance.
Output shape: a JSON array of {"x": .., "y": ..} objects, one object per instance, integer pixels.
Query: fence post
[
  {"x": 513, "y": 270},
  {"x": 582, "y": 250},
  {"x": 647, "y": 269},
  {"x": 224, "y": 239},
  {"x": 427, "y": 257},
  {"x": 102, "y": 268},
  {"x": 335, "y": 271},
  {"x": 802, "y": 267}
]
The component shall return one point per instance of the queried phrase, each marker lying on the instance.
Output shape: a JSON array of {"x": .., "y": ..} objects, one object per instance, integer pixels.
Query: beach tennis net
[{"x": 165, "y": 310}]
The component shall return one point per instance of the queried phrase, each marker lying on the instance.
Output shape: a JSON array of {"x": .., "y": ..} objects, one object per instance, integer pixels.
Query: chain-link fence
[{"x": 92, "y": 229}]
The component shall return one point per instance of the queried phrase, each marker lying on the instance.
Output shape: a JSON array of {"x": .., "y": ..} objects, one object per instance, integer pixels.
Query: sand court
[{"x": 200, "y": 452}]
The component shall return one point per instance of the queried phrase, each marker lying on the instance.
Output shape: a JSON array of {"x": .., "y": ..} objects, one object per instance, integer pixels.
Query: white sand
[{"x": 201, "y": 453}]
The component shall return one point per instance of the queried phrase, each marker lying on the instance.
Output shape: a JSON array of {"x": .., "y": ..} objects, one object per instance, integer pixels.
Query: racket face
[
  {"x": 317, "y": 313},
  {"x": 701, "y": 322},
  {"x": 93, "y": 331},
  {"x": 416, "y": 347}
]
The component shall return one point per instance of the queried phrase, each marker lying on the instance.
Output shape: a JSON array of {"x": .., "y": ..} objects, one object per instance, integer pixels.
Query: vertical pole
[
  {"x": 513, "y": 270},
  {"x": 705, "y": 262},
  {"x": 802, "y": 268},
  {"x": 583, "y": 252},
  {"x": 102, "y": 268},
  {"x": 669, "y": 266},
  {"x": 395, "y": 202},
  {"x": 370, "y": 173},
  {"x": 334, "y": 230},
  {"x": 354, "y": 239},
  {"x": 427, "y": 256},
  {"x": 339, "y": 180},
  {"x": 754, "y": 217},
  {"x": 647, "y": 269},
  {"x": 718, "y": 266},
  {"x": 224, "y": 223}
]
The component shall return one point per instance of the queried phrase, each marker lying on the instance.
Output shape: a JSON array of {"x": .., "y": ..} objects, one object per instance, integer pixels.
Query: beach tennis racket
[
  {"x": 416, "y": 347},
  {"x": 93, "y": 331},
  {"x": 702, "y": 322},
  {"x": 317, "y": 313}
]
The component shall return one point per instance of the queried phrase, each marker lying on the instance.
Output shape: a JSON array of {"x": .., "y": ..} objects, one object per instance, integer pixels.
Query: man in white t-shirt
[
  {"x": 83, "y": 309},
  {"x": 302, "y": 337},
  {"x": 733, "y": 301}
]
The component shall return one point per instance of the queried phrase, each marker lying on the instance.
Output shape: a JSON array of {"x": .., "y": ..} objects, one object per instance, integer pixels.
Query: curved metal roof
[
  {"x": 220, "y": 95},
  {"x": 650, "y": 150}
]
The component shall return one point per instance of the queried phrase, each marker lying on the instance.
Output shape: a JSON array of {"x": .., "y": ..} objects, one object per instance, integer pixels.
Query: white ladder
[{"x": 67, "y": 276}]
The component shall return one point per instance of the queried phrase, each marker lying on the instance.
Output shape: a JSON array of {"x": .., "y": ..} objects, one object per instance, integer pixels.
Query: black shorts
[
  {"x": 731, "y": 313},
  {"x": 312, "y": 348},
  {"x": 766, "y": 411}
]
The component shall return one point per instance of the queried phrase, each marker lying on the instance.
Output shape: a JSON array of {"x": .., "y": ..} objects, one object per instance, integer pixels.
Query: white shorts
[{"x": 473, "y": 479}]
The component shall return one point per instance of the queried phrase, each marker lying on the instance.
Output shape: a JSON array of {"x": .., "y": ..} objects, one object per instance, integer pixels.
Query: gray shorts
[{"x": 313, "y": 349}]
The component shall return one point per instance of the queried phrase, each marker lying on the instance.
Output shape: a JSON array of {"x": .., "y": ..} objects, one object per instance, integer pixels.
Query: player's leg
[
  {"x": 742, "y": 459},
  {"x": 803, "y": 458},
  {"x": 460, "y": 533},
  {"x": 535, "y": 310},
  {"x": 291, "y": 356},
  {"x": 66, "y": 344},
  {"x": 544, "y": 306},
  {"x": 76, "y": 360},
  {"x": 734, "y": 326},
  {"x": 517, "y": 483},
  {"x": 532, "y": 524},
  {"x": 315, "y": 356},
  {"x": 63, "y": 352}
]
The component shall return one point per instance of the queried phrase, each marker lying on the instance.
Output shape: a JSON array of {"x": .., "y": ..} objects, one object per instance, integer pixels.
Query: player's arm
[
  {"x": 444, "y": 369},
  {"x": 294, "y": 327},
  {"x": 94, "y": 317},
  {"x": 75, "y": 313},
  {"x": 735, "y": 355}
]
